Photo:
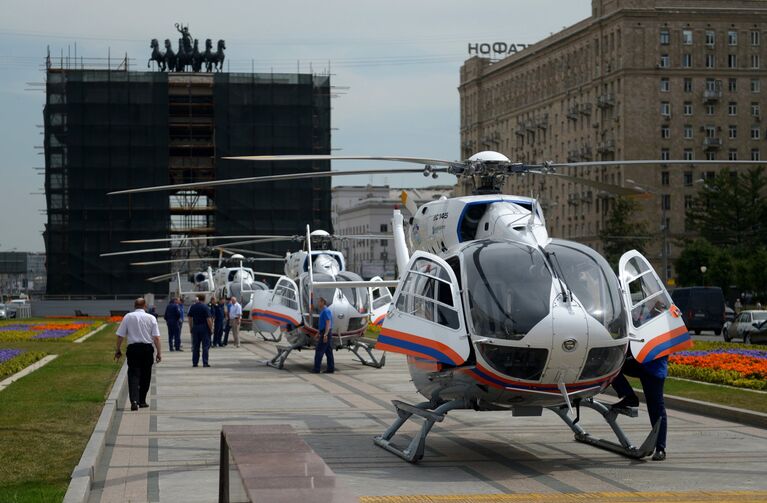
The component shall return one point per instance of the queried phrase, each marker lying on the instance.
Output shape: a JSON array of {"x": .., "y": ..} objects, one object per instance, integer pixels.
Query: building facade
[
  {"x": 108, "y": 130},
  {"x": 21, "y": 273},
  {"x": 368, "y": 209},
  {"x": 639, "y": 79}
]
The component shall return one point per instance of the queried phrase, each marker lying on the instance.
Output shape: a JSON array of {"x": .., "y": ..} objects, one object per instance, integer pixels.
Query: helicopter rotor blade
[
  {"x": 605, "y": 187},
  {"x": 133, "y": 252},
  {"x": 205, "y": 259},
  {"x": 200, "y": 238},
  {"x": 273, "y": 178},
  {"x": 412, "y": 160},
  {"x": 640, "y": 162},
  {"x": 233, "y": 251}
]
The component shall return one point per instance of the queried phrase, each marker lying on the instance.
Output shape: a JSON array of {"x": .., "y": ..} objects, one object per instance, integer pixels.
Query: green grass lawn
[
  {"x": 723, "y": 395},
  {"x": 47, "y": 417}
]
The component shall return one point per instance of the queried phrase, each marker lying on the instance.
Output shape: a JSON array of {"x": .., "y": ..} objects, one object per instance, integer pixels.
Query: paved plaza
[{"x": 170, "y": 451}]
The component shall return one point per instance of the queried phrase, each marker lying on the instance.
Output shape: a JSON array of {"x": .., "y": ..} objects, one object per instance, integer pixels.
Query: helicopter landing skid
[
  {"x": 271, "y": 337},
  {"x": 372, "y": 361},
  {"x": 414, "y": 451},
  {"x": 282, "y": 354},
  {"x": 625, "y": 447}
]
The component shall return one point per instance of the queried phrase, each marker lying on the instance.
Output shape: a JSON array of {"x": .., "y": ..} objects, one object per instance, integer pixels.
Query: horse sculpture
[
  {"x": 157, "y": 55},
  {"x": 170, "y": 56},
  {"x": 208, "y": 55},
  {"x": 218, "y": 57},
  {"x": 184, "y": 58},
  {"x": 196, "y": 57}
]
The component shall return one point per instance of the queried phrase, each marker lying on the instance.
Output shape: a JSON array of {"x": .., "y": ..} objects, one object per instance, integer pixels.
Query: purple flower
[
  {"x": 54, "y": 334},
  {"x": 753, "y": 353},
  {"x": 15, "y": 326},
  {"x": 7, "y": 354}
]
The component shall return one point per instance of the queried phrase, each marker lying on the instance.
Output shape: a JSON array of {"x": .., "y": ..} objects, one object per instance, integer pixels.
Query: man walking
[
  {"x": 180, "y": 319},
  {"x": 235, "y": 318},
  {"x": 228, "y": 325},
  {"x": 172, "y": 317},
  {"x": 219, "y": 312},
  {"x": 324, "y": 339},
  {"x": 200, "y": 325},
  {"x": 142, "y": 332}
]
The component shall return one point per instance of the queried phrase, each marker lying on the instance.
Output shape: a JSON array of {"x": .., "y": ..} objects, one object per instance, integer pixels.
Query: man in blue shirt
[
  {"x": 201, "y": 325},
  {"x": 324, "y": 338},
  {"x": 172, "y": 317}
]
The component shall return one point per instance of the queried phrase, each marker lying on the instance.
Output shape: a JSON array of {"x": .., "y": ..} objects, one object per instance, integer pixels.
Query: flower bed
[
  {"x": 732, "y": 364},
  {"x": 14, "y": 360},
  {"x": 61, "y": 330}
]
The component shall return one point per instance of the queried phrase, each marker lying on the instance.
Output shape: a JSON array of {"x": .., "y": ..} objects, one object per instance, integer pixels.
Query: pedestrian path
[{"x": 170, "y": 451}]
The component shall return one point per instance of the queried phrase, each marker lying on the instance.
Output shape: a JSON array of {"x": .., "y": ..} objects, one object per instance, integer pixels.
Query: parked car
[
  {"x": 4, "y": 315},
  {"x": 749, "y": 325},
  {"x": 729, "y": 314},
  {"x": 702, "y": 307}
]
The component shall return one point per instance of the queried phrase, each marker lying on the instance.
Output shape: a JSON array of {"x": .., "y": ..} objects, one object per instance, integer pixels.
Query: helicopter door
[
  {"x": 655, "y": 323},
  {"x": 283, "y": 306},
  {"x": 380, "y": 301},
  {"x": 425, "y": 319}
]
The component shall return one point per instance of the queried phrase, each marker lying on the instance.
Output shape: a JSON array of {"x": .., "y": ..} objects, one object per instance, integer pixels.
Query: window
[
  {"x": 665, "y": 132},
  {"x": 688, "y": 154},
  {"x": 427, "y": 294},
  {"x": 755, "y": 38},
  {"x": 754, "y": 61},
  {"x": 755, "y": 154},
  {"x": 686, "y": 37},
  {"x": 732, "y": 61},
  {"x": 665, "y": 38},
  {"x": 732, "y": 108},
  {"x": 665, "y": 108},
  {"x": 688, "y": 178},
  {"x": 687, "y": 85},
  {"x": 756, "y": 85},
  {"x": 756, "y": 132},
  {"x": 686, "y": 60},
  {"x": 710, "y": 38},
  {"x": 732, "y": 85},
  {"x": 732, "y": 132},
  {"x": 687, "y": 109},
  {"x": 665, "y": 85},
  {"x": 664, "y": 154},
  {"x": 710, "y": 131},
  {"x": 732, "y": 38},
  {"x": 732, "y": 155},
  {"x": 755, "y": 109},
  {"x": 709, "y": 109},
  {"x": 710, "y": 61},
  {"x": 384, "y": 227},
  {"x": 664, "y": 178},
  {"x": 666, "y": 201},
  {"x": 689, "y": 202},
  {"x": 687, "y": 132},
  {"x": 711, "y": 155},
  {"x": 664, "y": 61}
]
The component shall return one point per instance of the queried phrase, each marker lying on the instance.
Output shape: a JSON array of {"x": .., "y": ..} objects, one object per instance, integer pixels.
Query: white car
[
  {"x": 745, "y": 323},
  {"x": 4, "y": 314}
]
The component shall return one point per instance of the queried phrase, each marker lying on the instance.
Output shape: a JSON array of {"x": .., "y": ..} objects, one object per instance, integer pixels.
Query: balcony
[
  {"x": 713, "y": 92},
  {"x": 521, "y": 128},
  {"x": 574, "y": 155},
  {"x": 585, "y": 109},
  {"x": 572, "y": 112},
  {"x": 543, "y": 122},
  {"x": 606, "y": 100},
  {"x": 606, "y": 146},
  {"x": 712, "y": 143},
  {"x": 585, "y": 153}
]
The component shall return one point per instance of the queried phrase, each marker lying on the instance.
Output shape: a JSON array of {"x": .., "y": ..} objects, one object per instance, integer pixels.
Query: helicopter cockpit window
[
  {"x": 592, "y": 282},
  {"x": 648, "y": 297},
  {"x": 357, "y": 297},
  {"x": 381, "y": 297},
  {"x": 427, "y": 294},
  {"x": 509, "y": 288},
  {"x": 285, "y": 294},
  {"x": 329, "y": 294}
]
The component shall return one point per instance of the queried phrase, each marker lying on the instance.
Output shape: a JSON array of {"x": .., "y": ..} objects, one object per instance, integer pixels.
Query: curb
[
  {"x": 708, "y": 409},
  {"x": 92, "y": 332},
  {"x": 82, "y": 476},
  {"x": 26, "y": 370}
]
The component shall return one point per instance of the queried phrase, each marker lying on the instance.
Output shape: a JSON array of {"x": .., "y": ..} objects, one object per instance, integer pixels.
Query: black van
[{"x": 702, "y": 307}]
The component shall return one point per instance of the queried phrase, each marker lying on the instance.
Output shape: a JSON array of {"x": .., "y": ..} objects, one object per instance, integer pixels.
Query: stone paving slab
[{"x": 169, "y": 452}]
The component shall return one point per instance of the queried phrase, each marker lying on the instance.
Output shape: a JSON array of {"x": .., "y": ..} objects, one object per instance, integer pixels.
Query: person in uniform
[
  {"x": 324, "y": 338},
  {"x": 142, "y": 332},
  {"x": 201, "y": 326},
  {"x": 172, "y": 317},
  {"x": 219, "y": 312}
]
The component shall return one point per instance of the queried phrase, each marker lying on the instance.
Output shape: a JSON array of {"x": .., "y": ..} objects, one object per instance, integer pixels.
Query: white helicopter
[{"x": 493, "y": 314}]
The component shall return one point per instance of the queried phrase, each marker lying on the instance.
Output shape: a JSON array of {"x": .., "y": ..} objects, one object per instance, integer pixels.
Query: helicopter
[{"x": 495, "y": 315}]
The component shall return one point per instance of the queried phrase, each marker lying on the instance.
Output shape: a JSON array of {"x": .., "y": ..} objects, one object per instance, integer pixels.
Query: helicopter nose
[{"x": 569, "y": 344}]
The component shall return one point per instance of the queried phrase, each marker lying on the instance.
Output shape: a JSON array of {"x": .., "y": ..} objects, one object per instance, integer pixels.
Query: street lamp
[
  {"x": 663, "y": 226},
  {"x": 703, "y": 270}
]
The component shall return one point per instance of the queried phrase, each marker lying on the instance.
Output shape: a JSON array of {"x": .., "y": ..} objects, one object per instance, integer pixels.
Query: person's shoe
[
  {"x": 179, "y": 349},
  {"x": 143, "y": 405},
  {"x": 237, "y": 346},
  {"x": 659, "y": 455},
  {"x": 170, "y": 350},
  {"x": 626, "y": 402},
  {"x": 134, "y": 406},
  {"x": 328, "y": 371},
  {"x": 194, "y": 365},
  {"x": 315, "y": 371},
  {"x": 205, "y": 365}
]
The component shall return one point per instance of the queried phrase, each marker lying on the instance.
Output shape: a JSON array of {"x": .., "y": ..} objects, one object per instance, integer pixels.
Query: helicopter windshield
[
  {"x": 592, "y": 281},
  {"x": 357, "y": 297},
  {"x": 509, "y": 288}
]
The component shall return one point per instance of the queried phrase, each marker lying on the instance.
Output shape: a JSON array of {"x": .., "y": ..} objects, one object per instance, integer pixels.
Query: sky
[{"x": 396, "y": 64}]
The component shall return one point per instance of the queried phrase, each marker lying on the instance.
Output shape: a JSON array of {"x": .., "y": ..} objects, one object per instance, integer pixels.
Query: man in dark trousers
[
  {"x": 142, "y": 332},
  {"x": 219, "y": 311},
  {"x": 172, "y": 317},
  {"x": 227, "y": 324},
  {"x": 181, "y": 317},
  {"x": 324, "y": 338},
  {"x": 201, "y": 326}
]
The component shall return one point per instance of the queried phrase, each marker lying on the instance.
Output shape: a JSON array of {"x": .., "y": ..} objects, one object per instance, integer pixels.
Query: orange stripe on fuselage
[
  {"x": 442, "y": 348},
  {"x": 660, "y": 340}
]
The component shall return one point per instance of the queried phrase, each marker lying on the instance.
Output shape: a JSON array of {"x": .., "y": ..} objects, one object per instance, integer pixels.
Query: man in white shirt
[
  {"x": 142, "y": 332},
  {"x": 235, "y": 317}
]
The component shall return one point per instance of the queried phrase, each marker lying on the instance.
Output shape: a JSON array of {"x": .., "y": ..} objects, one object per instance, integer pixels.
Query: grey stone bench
[{"x": 272, "y": 463}]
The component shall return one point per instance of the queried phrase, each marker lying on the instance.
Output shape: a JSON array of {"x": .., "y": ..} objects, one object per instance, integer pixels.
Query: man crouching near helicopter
[{"x": 324, "y": 338}]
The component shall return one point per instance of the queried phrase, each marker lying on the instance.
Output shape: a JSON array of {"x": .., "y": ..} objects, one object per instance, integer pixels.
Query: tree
[{"x": 622, "y": 232}]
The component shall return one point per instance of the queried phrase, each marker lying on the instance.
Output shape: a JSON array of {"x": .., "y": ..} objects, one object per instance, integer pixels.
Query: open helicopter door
[
  {"x": 282, "y": 307},
  {"x": 425, "y": 319},
  {"x": 380, "y": 299},
  {"x": 655, "y": 324}
]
